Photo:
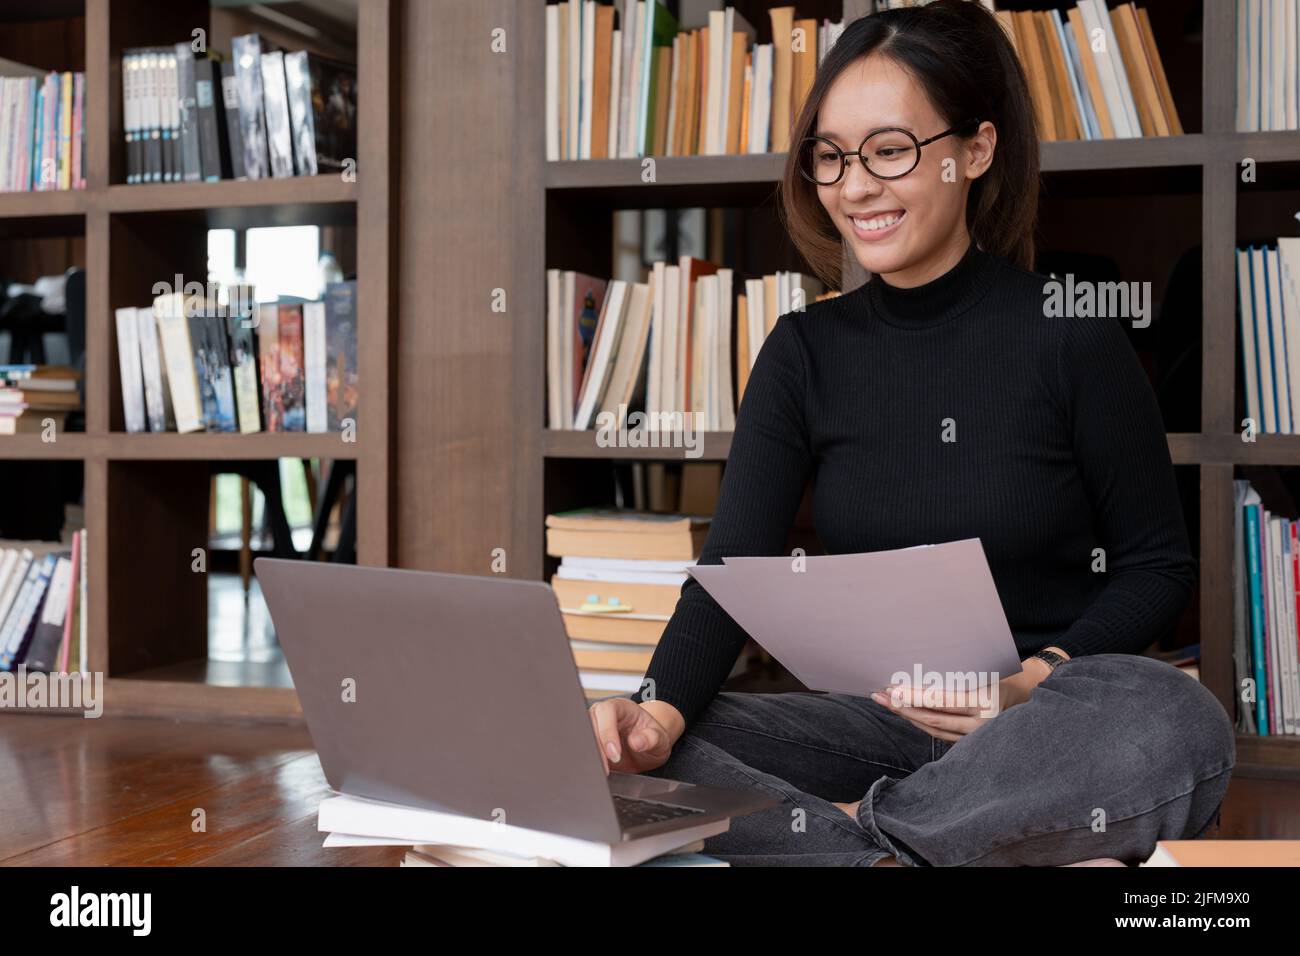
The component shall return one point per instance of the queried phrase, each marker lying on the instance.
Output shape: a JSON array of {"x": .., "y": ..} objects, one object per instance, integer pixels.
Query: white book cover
[
  {"x": 83, "y": 618},
  {"x": 1121, "y": 72},
  {"x": 178, "y": 356},
  {"x": 674, "y": 78},
  {"x": 625, "y": 564},
  {"x": 18, "y": 574},
  {"x": 1263, "y": 15},
  {"x": 760, "y": 105},
  {"x": 669, "y": 578},
  {"x": 554, "y": 371},
  {"x": 1281, "y": 381},
  {"x": 568, "y": 366},
  {"x": 1263, "y": 340},
  {"x": 606, "y": 680},
  {"x": 8, "y": 561},
  {"x": 1269, "y": 568},
  {"x": 155, "y": 402},
  {"x": 1290, "y": 76},
  {"x": 609, "y": 331},
  {"x": 1277, "y": 597},
  {"x": 754, "y": 312},
  {"x": 1286, "y": 646},
  {"x": 726, "y": 402},
  {"x": 573, "y": 148},
  {"x": 627, "y": 23},
  {"x": 669, "y": 401},
  {"x": 314, "y": 378},
  {"x": 1245, "y": 68},
  {"x": 629, "y": 357},
  {"x": 1287, "y": 291},
  {"x": 615, "y": 93},
  {"x": 1101, "y": 44},
  {"x": 363, "y": 817},
  {"x": 713, "y": 89},
  {"x": 1276, "y": 30},
  {"x": 1249, "y": 348},
  {"x": 632, "y": 114},
  {"x": 658, "y": 274},
  {"x": 552, "y": 83},
  {"x": 128, "y": 361}
]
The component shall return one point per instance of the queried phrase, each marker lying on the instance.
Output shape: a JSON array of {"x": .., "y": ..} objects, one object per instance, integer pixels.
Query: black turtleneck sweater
[{"x": 1059, "y": 450}]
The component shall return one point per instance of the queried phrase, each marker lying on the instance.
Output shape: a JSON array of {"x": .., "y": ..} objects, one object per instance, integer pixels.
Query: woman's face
[{"x": 909, "y": 230}]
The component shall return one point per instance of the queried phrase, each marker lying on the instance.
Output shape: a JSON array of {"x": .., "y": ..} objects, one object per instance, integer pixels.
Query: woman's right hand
[{"x": 631, "y": 739}]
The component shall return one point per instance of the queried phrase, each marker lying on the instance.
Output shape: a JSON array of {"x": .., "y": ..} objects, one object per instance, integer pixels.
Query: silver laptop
[{"x": 459, "y": 693}]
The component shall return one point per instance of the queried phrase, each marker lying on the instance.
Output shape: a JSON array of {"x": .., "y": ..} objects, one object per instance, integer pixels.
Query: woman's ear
[{"x": 979, "y": 150}]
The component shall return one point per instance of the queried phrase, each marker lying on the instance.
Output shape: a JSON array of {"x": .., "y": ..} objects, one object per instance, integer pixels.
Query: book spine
[
  {"x": 188, "y": 106},
  {"x": 233, "y": 160},
  {"x": 291, "y": 369},
  {"x": 246, "y": 52},
  {"x": 341, "y": 379},
  {"x": 211, "y": 122}
]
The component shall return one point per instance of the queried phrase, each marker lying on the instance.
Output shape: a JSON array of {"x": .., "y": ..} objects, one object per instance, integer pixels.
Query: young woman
[{"x": 942, "y": 401}]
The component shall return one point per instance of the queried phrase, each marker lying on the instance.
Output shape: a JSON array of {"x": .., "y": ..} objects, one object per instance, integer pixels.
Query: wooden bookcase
[
  {"x": 146, "y": 495},
  {"x": 1152, "y": 185}
]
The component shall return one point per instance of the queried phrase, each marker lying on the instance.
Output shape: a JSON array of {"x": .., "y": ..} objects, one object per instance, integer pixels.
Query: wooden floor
[{"x": 121, "y": 791}]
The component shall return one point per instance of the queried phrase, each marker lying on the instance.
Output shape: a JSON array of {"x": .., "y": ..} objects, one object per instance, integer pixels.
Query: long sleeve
[
  {"x": 1123, "y": 456},
  {"x": 764, "y": 480}
]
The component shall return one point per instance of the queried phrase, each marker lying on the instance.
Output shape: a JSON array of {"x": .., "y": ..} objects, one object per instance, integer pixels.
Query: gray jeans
[{"x": 1110, "y": 753}]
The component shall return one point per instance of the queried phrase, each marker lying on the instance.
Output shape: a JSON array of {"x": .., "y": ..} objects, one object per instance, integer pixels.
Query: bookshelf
[
  {"x": 1187, "y": 182},
  {"x": 146, "y": 495}
]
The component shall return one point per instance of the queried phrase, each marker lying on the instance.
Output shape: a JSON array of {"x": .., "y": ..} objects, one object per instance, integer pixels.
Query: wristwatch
[{"x": 1051, "y": 658}]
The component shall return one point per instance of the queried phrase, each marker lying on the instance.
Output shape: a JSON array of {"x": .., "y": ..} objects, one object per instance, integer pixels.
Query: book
[
  {"x": 214, "y": 147},
  {"x": 234, "y": 153},
  {"x": 128, "y": 358},
  {"x": 357, "y": 815},
  {"x": 275, "y": 104},
  {"x": 599, "y": 532},
  {"x": 292, "y": 381},
  {"x": 246, "y": 53},
  {"x": 323, "y": 112},
  {"x": 190, "y": 167},
  {"x": 342, "y": 380}
]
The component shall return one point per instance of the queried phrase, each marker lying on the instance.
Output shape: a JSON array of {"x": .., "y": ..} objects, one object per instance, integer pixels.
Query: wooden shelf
[
  {"x": 714, "y": 446},
  {"x": 146, "y": 495},
  {"x": 204, "y": 446},
  {"x": 1274, "y": 756},
  {"x": 318, "y": 200}
]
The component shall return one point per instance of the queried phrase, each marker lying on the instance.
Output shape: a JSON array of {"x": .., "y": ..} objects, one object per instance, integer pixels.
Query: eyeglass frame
[{"x": 844, "y": 156}]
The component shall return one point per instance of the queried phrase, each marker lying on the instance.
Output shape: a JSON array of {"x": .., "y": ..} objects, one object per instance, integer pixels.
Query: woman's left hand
[{"x": 952, "y": 714}]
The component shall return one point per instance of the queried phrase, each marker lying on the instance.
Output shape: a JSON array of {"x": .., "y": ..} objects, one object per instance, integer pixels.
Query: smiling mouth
[{"x": 878, "y": 224}]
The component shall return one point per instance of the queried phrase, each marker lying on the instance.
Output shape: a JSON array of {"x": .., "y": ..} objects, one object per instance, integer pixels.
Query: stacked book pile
[
  {"x": 680, "y": 343},
  {"x": 42, "y": 593},
  {"x": 449, "y": 839},
  {"x": 190, "y": 363},
  {"x": 192, "y": 116},
  {"x": 1266, "y": 578},
  {"x": 1268, "y": 290},
  {"x": 42, "y": 129},
  {"x": 1093, "y": 73},
  {"x": 34, "y": 396},
  {"x": 620, "y": 575},
  {"x": 1268, "y": 77}
]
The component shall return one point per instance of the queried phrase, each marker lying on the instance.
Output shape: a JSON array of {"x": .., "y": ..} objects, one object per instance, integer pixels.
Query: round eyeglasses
[{"x": 889, "y": 153}]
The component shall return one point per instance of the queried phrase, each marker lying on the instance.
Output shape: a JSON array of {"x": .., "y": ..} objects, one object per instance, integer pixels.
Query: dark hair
[{"x": 958, "y": 53}]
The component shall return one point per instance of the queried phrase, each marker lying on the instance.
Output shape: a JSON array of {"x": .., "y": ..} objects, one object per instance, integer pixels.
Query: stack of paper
[{"x": 450, "y": 839}]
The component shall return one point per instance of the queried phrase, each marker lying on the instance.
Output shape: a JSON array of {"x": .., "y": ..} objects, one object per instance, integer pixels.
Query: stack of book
[
  {"x": 668, "y": 345},
  {"x": 451, "y": 839},
  {"x": 425, "y": 854},
  {"x": 42, "y": 593},
  {"x": 190, "y": 364},
  {"x": 642, "y": 86},
  {"x": 190, "y": 116},
  {"x": 636, "y": 84},
  {"x": 1093, "y": 73},
  {"x": 1268, "y": 77},
  {"x": 1266, "y": 579},
  {"x": 1268, "y": 292},
  {"x": 620, "y": 575},
  {"x": 42, "y": 129},
  {"x": 33, "y": 395}
]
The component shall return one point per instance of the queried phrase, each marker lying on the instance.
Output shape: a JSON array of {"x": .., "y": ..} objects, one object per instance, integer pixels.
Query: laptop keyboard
[{"x": 632, "y": 812}]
